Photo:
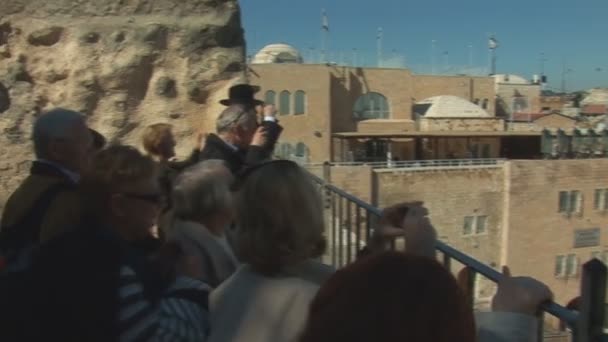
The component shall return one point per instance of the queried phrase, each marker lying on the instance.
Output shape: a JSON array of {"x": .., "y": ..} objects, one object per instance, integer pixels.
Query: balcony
[{"x": 351, "y": 222}]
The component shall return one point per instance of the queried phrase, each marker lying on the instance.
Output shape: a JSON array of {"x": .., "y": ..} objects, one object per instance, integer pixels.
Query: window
[
  {"x": 559, "y": 265},
  {"x": 300, "y": 102},
  {"x": 600, "y": 200},
  {"x": 480, "y": 226},
  {"x": 571, "y": 265},
  {"x": 485, "y": 151},
  {"x": 468, "y": 225},
  {"x": 300, "y": 150},
  {"x": 285, "y": 103},
  {"x": 371, "y": 106},
  {"x": 474, "y": 225},
  {"x": 270, "y": 97},
  {"x": 284, "y": 151},
  {"x": 570, "y": 201},
  {"x": 484, "y": 104}
]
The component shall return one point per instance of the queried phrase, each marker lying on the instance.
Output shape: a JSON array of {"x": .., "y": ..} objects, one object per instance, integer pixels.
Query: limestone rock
[
  {"x": 124, "y": 63},
  {"x": 45, "y": 37}
]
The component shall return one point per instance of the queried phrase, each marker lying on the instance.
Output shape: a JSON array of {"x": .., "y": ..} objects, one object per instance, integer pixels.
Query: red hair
[{"x": 391, "y": 297}]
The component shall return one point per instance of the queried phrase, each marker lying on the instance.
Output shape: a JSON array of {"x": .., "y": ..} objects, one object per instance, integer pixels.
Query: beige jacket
[{"x": 249, "y": 307}]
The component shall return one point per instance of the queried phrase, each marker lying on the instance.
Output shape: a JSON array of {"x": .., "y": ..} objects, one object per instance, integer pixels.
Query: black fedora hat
[{"x": 242, "y": 94}]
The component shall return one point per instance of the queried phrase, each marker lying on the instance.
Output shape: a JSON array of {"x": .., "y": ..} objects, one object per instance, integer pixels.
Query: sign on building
[{"x": 586, "y": 237}]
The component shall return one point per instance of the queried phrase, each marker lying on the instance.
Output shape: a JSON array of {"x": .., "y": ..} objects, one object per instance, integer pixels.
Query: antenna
[
  {"x": 470, "y": 58},
  {"x": 433, "y": 43},
  {"x": 379, "y": 40},
  {"x": 492, "y": 45},
  {"x": 324, "y": 35}
]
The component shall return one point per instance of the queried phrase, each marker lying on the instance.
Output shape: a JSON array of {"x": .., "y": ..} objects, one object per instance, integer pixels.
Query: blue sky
[{"x": 573, "y": 31}]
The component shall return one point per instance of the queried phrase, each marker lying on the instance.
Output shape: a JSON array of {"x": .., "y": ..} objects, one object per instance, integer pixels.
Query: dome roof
[
  {"x": 277, "y": 53},
  {"x": 510, "y": 79},
  {"x": 447, "y": 106}
]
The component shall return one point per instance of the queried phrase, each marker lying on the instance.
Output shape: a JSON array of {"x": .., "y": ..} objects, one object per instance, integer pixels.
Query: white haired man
[{"x": 46, "y": 203}]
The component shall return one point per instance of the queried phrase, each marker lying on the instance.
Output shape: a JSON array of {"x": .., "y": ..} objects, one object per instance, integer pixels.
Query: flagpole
[{"x": 379, "y": 40}]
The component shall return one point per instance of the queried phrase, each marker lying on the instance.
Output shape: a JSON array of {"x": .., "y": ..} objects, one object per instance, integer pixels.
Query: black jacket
[{"x": 216, "y": 148}]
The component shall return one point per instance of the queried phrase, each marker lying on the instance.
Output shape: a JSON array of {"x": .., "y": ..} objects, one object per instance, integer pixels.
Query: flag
[
  {"x": 492, "y": 43},
  {"x": 324, "y": 21}
]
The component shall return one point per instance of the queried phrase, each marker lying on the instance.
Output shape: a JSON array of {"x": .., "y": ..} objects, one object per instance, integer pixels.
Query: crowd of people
[{"x": 103, "y": 242}]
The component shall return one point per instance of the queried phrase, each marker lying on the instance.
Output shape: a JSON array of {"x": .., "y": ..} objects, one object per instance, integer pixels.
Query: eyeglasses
[
  {"x": 155, "y": 198},
  {"x": 242, "y": 176}
]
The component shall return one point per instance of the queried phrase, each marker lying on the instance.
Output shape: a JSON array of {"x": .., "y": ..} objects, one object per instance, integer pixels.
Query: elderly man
[
  {"x": 240, "y": 139},
  {"x": 46, "y": 203}
]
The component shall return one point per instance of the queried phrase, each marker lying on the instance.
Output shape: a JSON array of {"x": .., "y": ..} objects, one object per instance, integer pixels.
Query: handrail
[
  {"x": 552, "y": 308},
  {"x": 417, "y": 163}
]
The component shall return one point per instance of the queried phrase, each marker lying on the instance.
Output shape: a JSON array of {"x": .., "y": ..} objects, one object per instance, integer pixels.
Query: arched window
[
  {"x": 371, "y": 106},
  {"x": 285, "y": 152},
  {"x": 484, "y": 104},
  {"x": 300, "y": 102},
  {"x": 300, "y": 150},
  {"x": 270, "y": 97},
  {"x": 284, "y": 103}
]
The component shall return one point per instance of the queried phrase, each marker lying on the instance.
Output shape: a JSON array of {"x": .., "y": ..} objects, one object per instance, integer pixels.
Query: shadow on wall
[{"x": 5, "y": 100}]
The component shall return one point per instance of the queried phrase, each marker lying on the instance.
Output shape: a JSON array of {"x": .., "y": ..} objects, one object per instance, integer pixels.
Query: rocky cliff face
[{"x": 125, "y": 63}]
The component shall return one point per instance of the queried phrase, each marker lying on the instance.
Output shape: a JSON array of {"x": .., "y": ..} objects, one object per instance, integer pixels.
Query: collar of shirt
[{"x": 73, "y": 176}]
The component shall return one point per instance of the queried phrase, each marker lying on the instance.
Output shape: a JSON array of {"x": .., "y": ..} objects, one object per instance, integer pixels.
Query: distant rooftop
[{"x": 277, "y": 53}]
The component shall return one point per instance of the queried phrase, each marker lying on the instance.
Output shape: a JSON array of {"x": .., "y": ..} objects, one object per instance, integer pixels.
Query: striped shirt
[{"x": 174, "y": 318}]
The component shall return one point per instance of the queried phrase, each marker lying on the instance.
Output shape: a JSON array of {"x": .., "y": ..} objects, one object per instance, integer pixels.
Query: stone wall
[{"x": 125, "y": 63}]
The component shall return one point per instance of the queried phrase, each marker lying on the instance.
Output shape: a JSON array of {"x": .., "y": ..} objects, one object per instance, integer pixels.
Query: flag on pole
[
  {"x": 324, "y": 21},
  {"x": 492, "y": 43}
]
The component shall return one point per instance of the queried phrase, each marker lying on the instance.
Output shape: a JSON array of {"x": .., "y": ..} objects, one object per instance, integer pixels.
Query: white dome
[
  {"x": 510, "y": 79},
  {"x": 447, "y": 106},
  {"x": 277, "y": 53}
]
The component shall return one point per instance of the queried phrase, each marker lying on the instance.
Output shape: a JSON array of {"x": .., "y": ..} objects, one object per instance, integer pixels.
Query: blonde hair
[
  {"x": 279, "y": 216},
  {"x": 202, "y": 190},
  {"x": 111, "y": 171},
  {"x": 153, "y": 136}
]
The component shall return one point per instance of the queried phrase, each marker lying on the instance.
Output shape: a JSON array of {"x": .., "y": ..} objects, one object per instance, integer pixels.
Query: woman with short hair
[
  {"x": 202, "y": 210},
  {"x": 279, "y": 234},
  {"x": 109, "y": 280}
]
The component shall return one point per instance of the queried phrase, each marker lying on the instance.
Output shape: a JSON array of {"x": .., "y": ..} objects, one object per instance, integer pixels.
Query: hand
[
  {"x": 270, "y": 110},
  {"x": 409, "y": 220},
  {"x": 259, "y": 137},
  {"x": 420, "y": 235},
  {"x": 520, "y": 294}
]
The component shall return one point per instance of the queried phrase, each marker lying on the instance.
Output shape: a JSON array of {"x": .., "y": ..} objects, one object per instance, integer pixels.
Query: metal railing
[
  {"x": 351, "y": 224},
  {"x": 413, "y": 164}
]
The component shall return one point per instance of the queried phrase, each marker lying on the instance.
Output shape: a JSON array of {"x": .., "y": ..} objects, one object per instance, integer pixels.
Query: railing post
[{"x": 593, "y": 302}]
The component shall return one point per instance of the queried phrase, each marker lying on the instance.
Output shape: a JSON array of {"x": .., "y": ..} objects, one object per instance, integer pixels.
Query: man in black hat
[{"x": 241, "y": 140}]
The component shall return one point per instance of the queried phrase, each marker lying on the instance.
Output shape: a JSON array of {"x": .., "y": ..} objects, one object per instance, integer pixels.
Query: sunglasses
[{"x": 241, "y": 177}]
